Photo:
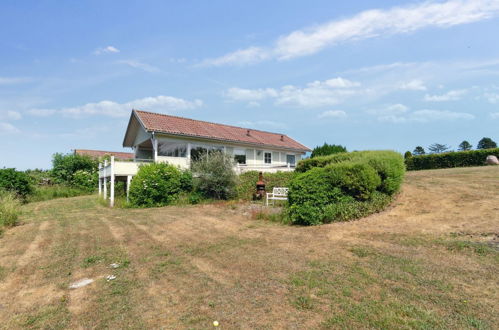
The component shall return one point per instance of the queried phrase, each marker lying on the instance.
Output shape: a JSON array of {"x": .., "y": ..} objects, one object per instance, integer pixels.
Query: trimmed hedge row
[
  {"x": 247, "y": 181},
  {"x": 450, "y": 159},
  {"x": 344, "y": 186}
]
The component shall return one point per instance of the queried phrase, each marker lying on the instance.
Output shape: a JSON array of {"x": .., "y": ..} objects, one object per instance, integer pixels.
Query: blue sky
[{"x": 365, "y": 74}]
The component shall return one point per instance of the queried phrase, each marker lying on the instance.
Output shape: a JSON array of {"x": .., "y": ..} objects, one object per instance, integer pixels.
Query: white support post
[
  {"x": 105, "y": 179},
  {"x": 155, "y": 148},
  {"x": 100, "y": 182},
  {"x": 128, "y": 181},
  {"x": 189, "y": 146},
  {"x": 111, "y": 199}
]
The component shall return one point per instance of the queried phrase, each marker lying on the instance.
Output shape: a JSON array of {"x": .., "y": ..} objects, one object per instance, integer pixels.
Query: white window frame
[{"x": 264, "y": 157}]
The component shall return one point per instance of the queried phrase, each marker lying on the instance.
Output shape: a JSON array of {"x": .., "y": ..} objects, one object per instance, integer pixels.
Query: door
[{"x": 291, "y": 160}]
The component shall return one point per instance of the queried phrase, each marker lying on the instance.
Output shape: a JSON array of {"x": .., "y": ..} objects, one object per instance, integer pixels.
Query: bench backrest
[{"x": 280, "y": 191}]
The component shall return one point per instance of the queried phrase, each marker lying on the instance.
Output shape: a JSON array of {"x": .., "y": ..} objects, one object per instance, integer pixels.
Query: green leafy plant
[
  {"x": 215, "y": 176},
  {"x": 327, "y": 149},
  {"x": 85, "y": 180},
  {"x": 16, "y": 182},
  {"x": 64, "y": 167},
  {"x": 486, "y": 143},
  {"x": 155, "y": 184}
]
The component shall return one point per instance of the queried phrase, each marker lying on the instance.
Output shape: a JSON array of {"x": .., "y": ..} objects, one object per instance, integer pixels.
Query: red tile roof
[
  {"x": 161, "y": 123},
  {"x": 100, "y": 153}
]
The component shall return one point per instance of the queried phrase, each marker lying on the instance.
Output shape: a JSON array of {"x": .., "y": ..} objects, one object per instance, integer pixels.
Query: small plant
[{"x": 10, "y": 207}]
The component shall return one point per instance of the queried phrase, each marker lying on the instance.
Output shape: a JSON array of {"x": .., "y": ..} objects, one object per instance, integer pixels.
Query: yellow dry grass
[{"x": 430, "y": 261}]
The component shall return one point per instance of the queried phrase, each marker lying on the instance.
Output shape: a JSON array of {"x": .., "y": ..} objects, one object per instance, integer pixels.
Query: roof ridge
[
  {"x": 208, "y": 122},
  {"x": 126, "y": 152}
]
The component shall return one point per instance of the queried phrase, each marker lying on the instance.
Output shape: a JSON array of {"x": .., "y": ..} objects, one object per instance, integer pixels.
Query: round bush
[
  {"x": 85, "y": 180},
  {"x": 155, "y": 184},
  {"x": 15, "y": 181}
]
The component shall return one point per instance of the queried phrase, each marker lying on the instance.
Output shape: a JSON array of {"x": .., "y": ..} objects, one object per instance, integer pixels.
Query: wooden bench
[{"x": 278, "y": 193}]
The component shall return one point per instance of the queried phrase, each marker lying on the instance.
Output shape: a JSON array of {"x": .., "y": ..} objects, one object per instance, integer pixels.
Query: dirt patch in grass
[{"x": 429, "y": 261}]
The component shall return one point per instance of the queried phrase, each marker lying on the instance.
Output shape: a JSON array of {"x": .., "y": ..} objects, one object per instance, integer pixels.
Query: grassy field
[{"x": 430, "y": 261}]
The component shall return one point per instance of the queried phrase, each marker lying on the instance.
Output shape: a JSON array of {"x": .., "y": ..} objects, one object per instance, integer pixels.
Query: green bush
[
  {"x": 450, "y": 159},
  {"x": 215, "y": 176},
  {"x": 15, "y": 181},
  {"x": 155, "y": 184},
  {"x": 345, "y": 186},
  {"x": 85, "y": 180},
  {"x": 64, "y": 167},
  {"x": 10, "y": 207},
  {"x": 246, "y": 184}
]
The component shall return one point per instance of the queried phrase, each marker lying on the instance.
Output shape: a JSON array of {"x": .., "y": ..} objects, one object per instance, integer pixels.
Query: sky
[{"x": 363, "y": 74}]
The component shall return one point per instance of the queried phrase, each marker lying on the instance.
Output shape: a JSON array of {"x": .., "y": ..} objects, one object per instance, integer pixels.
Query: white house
[{"x": 175, "y": 140}]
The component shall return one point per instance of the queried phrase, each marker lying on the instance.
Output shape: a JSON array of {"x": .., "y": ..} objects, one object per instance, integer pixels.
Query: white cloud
[
  {"x": 366, "y": 24},
  {"x": 106, "y": 50},
  {"x": 14, "y": 80},
  {"x": 494, "y": 115},
  {"x": 492, "y": 97},
  {"x": 10, "y": 115},
  {"x": 139, "y": 65},
  {"x": 159, "y": 103},
  {"x": 314, "y": 94},
  {"x": 6, "y": 128},
  {"x": 391, "y": 110},
  {"x": 424, "y": 116},
  {"x": 454, "y": 95},
  {"x": 333, "y": 114},
  {"x": 413, "y": 85}
]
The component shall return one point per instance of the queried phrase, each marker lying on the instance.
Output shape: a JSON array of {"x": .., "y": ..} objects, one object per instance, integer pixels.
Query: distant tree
[
  {"x": 418, "y": 151},
  {"x": 486, "y": 143},
  {"x": 464, "y": 146},
  {"x": 437, "y": 148},
  {"x": 407, "y": 154},
  {"x": 327, "y": 149},
  {"x": 65, "y": 166}
]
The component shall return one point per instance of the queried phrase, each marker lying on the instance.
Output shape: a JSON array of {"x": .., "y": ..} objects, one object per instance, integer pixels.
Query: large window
[
  {"x": 268, "y": 158},
  {"x": 172, "y": 149}
]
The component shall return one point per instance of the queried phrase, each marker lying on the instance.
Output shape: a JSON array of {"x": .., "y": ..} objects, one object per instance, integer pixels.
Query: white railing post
[
  {"x": 100, "y": 182},
  {"x": 111, "y": 200},
  {"x": 105, "y": 179},
  {"x": 128, "y": 181}
]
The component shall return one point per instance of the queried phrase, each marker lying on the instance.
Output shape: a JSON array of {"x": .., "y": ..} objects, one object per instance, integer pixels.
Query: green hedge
[
  {"x": 156, "y": 184},
  {"x": 450, "y": 159},
  {"x": 246, "y": 185},
  {"x": 344, "y": 186},
  {"x": 15, "y": 181}
]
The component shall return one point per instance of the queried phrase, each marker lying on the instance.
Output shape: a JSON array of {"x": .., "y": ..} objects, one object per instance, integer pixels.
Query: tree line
[{"x": 437, "y": 148}]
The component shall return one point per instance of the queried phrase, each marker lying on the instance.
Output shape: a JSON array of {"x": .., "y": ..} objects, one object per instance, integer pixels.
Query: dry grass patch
[{"x": 429, "y": 261}]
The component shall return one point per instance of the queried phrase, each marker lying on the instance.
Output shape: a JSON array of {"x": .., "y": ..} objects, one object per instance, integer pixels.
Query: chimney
[
  {"x": 248, "y": 132},
  {"x": 282, "y": 137}
]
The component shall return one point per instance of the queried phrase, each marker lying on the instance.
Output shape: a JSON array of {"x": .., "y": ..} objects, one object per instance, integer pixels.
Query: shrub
[
  {"x": 85, "y": 180},
  {"x": 156, "y": 184},
  {"x": 246, "y": 184},
  {"x": 345, "y": 186},
  {"x": 215, "y": 176},
  {"x": 64, "y": 167},
  {"x": 15, "y": 181},
  {"x": 407, "y": 154},
  {"x": 327, "y": 149},
  {"x": 9, "y": 209},
  {"x": 450, "y": 159}
]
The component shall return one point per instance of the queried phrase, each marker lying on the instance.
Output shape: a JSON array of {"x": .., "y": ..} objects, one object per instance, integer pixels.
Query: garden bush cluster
[
  {"x": 450, "y": 159},
  {"x": 344, "y": 186}
]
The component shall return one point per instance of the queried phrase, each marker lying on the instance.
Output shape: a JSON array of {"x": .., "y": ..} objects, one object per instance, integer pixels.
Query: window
[
  {"x": 240, "y": 156},
  {"x": 268, "y": 158},
  {"x": 172, "y": 149},
  {"x": 291, "y": 160}
]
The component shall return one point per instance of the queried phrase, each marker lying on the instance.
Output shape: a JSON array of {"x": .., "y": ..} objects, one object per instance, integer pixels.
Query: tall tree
[
  {"x": 486, "y": 143},
  {"x": 418, "y": 151},
  {"x": 464, "y": 146},
  {"x": 327, "y": 149},
  {"x": 437, "y": 148}
]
